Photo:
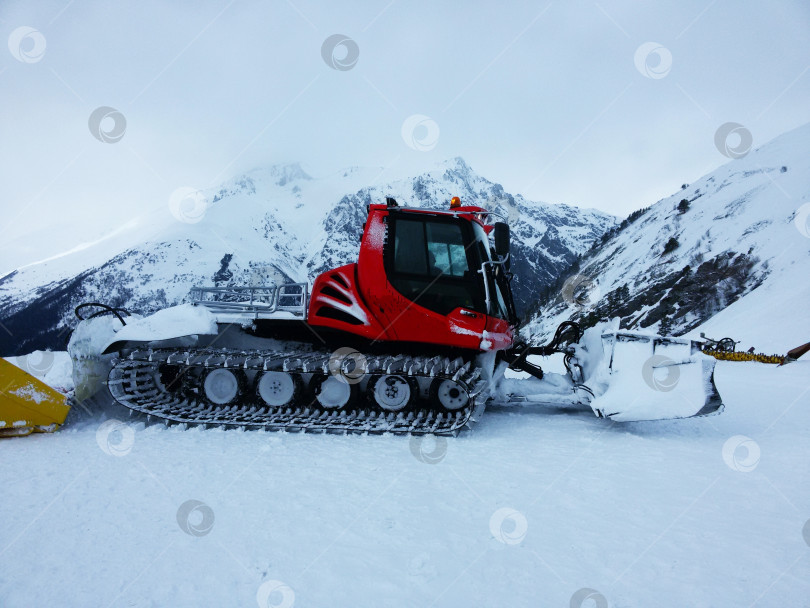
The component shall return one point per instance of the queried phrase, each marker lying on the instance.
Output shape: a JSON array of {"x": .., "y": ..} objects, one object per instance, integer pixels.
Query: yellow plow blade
[{"x": 28, "y": 405}]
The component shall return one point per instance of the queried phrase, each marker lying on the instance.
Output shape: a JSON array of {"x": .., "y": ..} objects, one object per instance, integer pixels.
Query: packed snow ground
[{"x": 531, "y": 507}]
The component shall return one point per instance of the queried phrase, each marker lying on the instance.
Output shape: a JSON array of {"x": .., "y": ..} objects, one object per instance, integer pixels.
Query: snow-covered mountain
[
  {"x": 736, "y": 241},
  {"x": 272, "y": 225}
]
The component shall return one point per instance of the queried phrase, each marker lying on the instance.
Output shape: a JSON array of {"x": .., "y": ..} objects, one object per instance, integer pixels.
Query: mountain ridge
[{"x": 275, "y": 224}]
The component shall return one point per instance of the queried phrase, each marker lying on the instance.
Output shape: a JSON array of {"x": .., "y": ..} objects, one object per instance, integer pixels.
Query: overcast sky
[{"x": 559, "y": 101}]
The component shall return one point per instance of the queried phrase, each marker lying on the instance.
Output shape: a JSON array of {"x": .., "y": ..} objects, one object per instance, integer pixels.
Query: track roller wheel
[
  {"x": 277, "y": 389},
  {"x": 331, "y": 392},
  {"x": 393, "y": 393},
  {"x": 449, "y": 394},
  {"x": 222, "y": 386}
]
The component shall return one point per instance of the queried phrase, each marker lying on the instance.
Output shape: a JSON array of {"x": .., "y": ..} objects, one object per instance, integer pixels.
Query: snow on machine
[{"x": 414, "y": 337}]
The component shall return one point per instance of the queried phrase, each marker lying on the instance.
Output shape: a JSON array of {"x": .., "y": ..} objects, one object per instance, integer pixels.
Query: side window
[
  {"x": 409, "y": 248},
  {"x": 446, "y": 250},
  {"x": 428, "y": 265}
]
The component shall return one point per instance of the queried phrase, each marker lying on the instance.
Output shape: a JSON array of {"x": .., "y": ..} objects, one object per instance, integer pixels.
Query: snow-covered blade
[
  {"x": 623, "y": 375},
  {"x": 642, "y": 376}
]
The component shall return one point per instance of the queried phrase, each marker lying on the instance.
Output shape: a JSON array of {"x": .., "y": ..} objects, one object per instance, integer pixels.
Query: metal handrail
[
  {"x": 253, "y": 300},
  {"x": 483, "y": 272}
]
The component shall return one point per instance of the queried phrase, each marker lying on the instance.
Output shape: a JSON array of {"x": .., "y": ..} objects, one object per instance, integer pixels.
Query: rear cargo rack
[{"x": 254, "y": 302}]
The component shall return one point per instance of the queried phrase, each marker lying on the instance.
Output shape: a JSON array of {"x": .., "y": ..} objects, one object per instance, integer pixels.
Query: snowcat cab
[{"x": 422, "y": 277}]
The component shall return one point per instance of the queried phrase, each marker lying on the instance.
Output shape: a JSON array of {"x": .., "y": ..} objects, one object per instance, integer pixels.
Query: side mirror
[{"x": 502, "y": 240}]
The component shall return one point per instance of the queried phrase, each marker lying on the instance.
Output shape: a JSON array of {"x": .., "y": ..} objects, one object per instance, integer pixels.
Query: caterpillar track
[{"x": 168, "y": 384}]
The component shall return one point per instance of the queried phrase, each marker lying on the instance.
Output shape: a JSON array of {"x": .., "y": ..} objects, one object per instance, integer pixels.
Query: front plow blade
[
  {"x": 647, "y": 377},
  {"x": 28, "y": 405}
]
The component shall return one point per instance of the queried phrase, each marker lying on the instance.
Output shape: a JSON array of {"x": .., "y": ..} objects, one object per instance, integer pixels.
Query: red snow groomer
[
  {"x": 422, "y": 277},
  {"x": 414, "y": 337}
]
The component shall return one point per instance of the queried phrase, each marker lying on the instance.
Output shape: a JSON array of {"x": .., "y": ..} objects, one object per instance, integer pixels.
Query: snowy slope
[
  {"x": 527, "y": 510},
  {"x": 773, "y": 318},
  {"x": 271, "y": 225},
  {"x": 739, "y": 245}
]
